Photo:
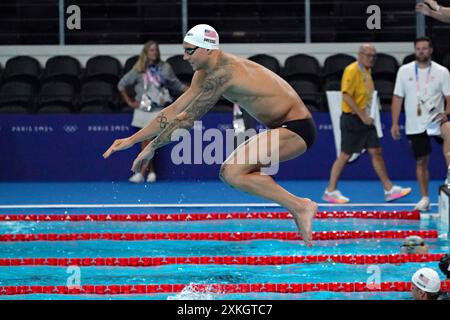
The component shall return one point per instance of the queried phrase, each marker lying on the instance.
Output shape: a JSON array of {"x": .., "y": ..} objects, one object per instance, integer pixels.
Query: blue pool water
[{"x": 204, "y": 274}]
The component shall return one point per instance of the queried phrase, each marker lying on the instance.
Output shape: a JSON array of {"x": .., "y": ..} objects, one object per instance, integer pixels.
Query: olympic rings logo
[{"x": 70, "y": 128}]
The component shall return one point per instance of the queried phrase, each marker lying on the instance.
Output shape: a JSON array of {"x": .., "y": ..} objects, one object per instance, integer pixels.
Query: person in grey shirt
[{"x": 154, "y": 82}]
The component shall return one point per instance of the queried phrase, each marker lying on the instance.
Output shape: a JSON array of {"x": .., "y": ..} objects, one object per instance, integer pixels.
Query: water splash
[
  {"x": 15, "y": 227},
  {"x": 192, "y": 292}
]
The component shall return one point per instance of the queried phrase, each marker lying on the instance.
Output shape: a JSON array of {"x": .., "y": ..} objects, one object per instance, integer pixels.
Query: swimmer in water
[{"x": 263, "y": 94}]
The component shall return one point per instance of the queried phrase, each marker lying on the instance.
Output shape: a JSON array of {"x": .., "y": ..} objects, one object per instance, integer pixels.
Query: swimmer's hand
[
  {"x": 143, "y": 158},
  {"x": 119, "y": 145}
]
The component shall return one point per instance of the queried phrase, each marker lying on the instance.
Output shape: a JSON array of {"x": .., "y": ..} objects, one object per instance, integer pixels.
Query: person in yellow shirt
[{"x": 357, "y": 128}]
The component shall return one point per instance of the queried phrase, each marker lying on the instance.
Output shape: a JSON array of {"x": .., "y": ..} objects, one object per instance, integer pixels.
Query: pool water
[{"x": 208, "y": 274}]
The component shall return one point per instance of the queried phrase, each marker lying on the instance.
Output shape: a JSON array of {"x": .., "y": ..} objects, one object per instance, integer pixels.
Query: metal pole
[
  {"x": 61, "y": 23},
  {"x": 184, "y": 17},
  {"x": 308, "y": 21},
  {"x": 420, "y": 23}
]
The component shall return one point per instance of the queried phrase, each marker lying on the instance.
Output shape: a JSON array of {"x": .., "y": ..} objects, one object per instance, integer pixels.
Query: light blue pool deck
[{"x": 202, "y": 196}]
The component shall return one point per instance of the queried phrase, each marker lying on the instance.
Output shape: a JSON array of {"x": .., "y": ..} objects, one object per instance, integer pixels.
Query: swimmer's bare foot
[{"x": 303, "y": 216}]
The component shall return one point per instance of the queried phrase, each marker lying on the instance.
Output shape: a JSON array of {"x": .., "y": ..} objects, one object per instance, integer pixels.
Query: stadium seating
[
  {"x": 17, "y": 95},
  {"x": 63, "y": 68},
  {"x": 65, "y": 87},
  {"x": 181, "y": 68},
  {"x": 309, "y": 92},
  {"x": 302, "y": 67},
  {"x": 56, "y": 97},
  {"x": 103, "y": 68},
  {"x": 97, "y": 95},
  {"x": 334, "y": 66},
  {"x": 131, "y": 61},
  {"x": 22, "y": 68},
  {"x": 385, "y": 67}
]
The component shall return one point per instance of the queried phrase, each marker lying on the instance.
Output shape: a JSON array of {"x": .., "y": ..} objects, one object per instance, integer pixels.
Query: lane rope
[
  {"x": 214, "y": 288},
  {"x": 401, "y": 215},
  {"x": 220, "y": 236},
  {"x": 222, "y": 260},
  {"x": 195, "y": 205}
]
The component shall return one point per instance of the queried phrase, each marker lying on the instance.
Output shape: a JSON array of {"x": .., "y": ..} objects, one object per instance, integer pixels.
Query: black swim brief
[{"x": 305, "y": 128}]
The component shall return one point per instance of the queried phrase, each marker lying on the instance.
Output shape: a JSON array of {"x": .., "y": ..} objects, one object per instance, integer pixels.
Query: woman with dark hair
[{"x": 154, "y": 82}]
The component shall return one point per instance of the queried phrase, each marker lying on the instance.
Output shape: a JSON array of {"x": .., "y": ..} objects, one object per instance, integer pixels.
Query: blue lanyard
[
  {"x": 416, "y": 65},
  {"x": 369, "y": 92},
  {"x": 362, "y": 71}
]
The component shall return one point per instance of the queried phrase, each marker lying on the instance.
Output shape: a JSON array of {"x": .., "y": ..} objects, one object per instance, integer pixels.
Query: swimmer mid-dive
[{"x": 263, "y": 94}]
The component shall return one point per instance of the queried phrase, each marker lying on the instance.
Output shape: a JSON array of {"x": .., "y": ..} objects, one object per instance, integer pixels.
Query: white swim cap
[
  {"x": 427, "y": 280},
  {"x": 203, "y": 36}
]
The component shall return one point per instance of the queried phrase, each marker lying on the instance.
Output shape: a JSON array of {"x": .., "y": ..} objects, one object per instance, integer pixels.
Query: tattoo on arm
[
  {"x": 162, "y": 120},
  {"x": 211, "y": 90}
]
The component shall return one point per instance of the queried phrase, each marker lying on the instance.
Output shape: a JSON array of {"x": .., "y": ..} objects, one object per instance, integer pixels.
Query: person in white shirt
[{"x": 423, "y": 84}]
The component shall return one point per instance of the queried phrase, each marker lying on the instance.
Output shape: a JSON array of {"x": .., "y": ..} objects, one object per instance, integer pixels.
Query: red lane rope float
[
  {"x": 214, "y": 288},
  {"x": 404, "y": 215},
  {"x": 219, "y": 236},
  {"x": 221, "y": 260}
]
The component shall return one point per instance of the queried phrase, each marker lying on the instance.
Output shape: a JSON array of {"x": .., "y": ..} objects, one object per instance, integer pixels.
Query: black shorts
[
  {"x": 305, "y": 128},
  {"x": 421, "y": 144},
  {"x": 355, "y": 135}
]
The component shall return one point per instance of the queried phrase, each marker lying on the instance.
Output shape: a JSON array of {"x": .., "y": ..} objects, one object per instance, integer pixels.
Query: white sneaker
[
  {"x": 423, "y": 204},
  {"x": 334, "y": 197},
  {"x": 151, "y": 177},
  {"x": 137, "y": 178},
  {"x": 396, "y": 192}
]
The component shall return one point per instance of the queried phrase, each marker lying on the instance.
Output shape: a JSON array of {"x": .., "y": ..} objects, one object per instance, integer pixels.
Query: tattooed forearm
[
  {"x": 212, "y": 88},
  {"x": 162, "y": 120}
]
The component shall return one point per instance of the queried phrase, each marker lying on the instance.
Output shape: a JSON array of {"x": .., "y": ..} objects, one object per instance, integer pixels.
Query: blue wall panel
[{"x": 70, "y": 148}]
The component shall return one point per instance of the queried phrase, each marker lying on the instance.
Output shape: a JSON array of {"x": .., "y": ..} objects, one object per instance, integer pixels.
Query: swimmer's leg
[{"x": 248, "y": 177}]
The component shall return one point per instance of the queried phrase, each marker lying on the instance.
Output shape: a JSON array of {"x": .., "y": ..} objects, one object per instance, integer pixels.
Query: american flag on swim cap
[
  {"x": 210, "y": 34},
  {"x": 203, "y": 36},
  {"x": 423, "y": 279}
]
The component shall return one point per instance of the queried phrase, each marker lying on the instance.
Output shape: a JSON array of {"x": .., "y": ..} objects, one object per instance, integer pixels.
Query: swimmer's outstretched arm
[
  {"x": 164, "y": 117},
  {"x": 159, "y": 123},
  {"x": 156, "y": 126},
  {"x": 211, "y": 89}
]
